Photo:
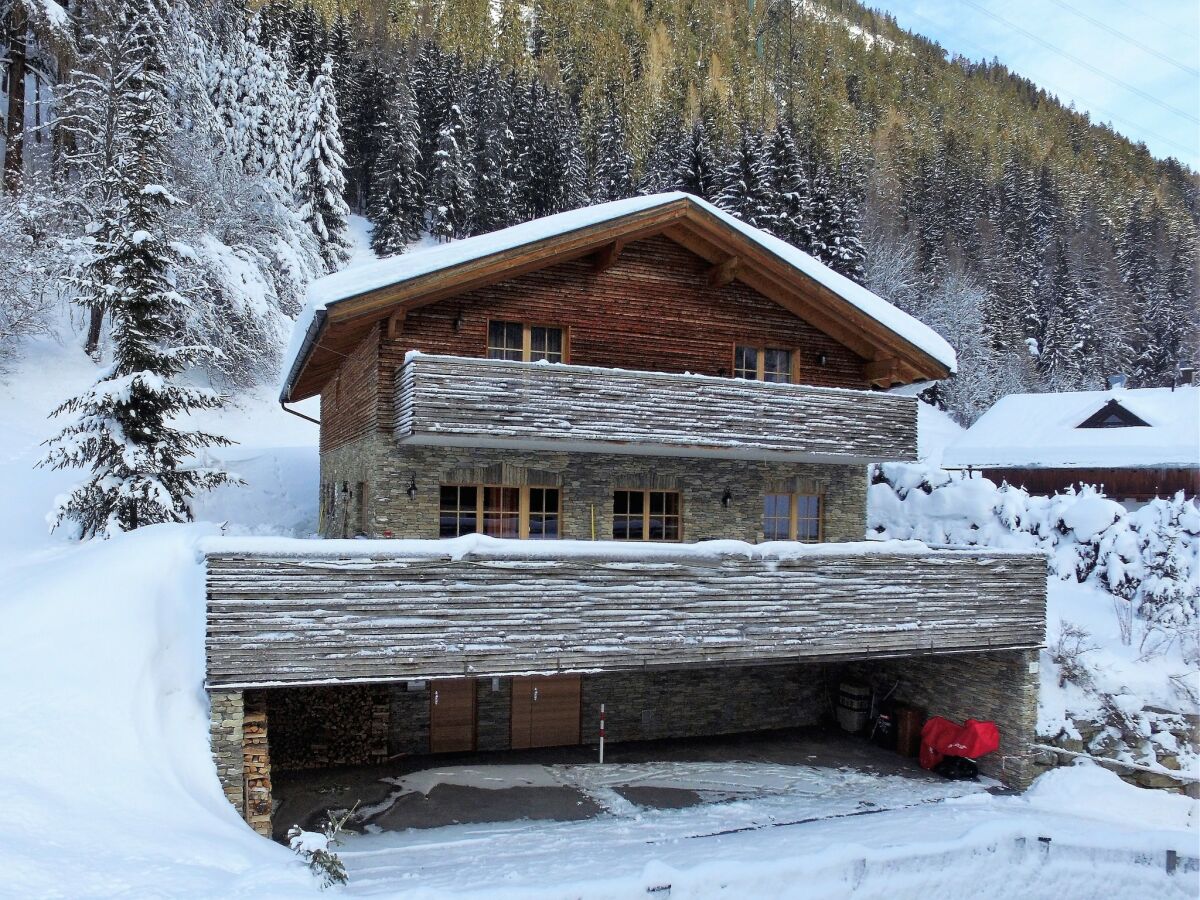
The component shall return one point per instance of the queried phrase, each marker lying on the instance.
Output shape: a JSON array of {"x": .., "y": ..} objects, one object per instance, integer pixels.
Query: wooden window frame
[
  {"x": 522, "y": 505},
  {"x": 527, "y": 340},
  {"x": 646, "y": 492},
  {"x": 761, "y": 351},
  {"x": 794, "y": 515}
]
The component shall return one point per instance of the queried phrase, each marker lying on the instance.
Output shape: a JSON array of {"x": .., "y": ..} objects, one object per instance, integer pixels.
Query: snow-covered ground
[{"x": 108, "y": 789}]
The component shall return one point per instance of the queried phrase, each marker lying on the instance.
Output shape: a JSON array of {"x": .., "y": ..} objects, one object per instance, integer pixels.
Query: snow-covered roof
[
  {"x": 358, "y": 280},
  {"x": 1041, "y": 431}
]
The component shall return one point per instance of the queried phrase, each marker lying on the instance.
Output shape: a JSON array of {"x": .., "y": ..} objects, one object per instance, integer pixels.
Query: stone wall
[
  {"x": 587, "y": 481},
  {"x": 689, "y": 703},
  {"x": 226, "y": 711},
  {"x": 1001, "y": 687}
]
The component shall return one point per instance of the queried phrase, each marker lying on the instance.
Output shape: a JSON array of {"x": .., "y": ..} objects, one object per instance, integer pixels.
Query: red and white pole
[{"x": 601, "y": 732}]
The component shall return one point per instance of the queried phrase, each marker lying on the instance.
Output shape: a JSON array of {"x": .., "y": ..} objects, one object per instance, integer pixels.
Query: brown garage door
[
  {"x": 545, "y": 711},
  {"x": 452, "y": 715}
]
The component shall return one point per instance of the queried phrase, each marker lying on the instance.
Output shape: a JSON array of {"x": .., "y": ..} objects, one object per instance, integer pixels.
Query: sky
[{"x": 1130, "y": 63}]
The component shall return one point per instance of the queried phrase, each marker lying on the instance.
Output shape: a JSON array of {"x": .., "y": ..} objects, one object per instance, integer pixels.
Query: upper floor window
[
  {"x": 525, "y": 343},
  {"x": 792, "y": 517},
  {"x": 499, "y": 511},
  {"x": 762, "y": 364},
  {"x": 647, "y": 516}
]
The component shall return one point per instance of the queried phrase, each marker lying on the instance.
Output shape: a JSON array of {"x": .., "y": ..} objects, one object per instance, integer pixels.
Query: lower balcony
[{"x": 315, "y": 612}]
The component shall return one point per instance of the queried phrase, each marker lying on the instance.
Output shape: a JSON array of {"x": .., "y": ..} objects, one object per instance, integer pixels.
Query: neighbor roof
[
  {"x": 343, "y": 306},
  {"x": 1043, "y": 431}
]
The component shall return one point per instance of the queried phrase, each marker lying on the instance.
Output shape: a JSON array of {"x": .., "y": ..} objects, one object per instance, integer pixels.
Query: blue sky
[{"x": 1159, "y": 102}]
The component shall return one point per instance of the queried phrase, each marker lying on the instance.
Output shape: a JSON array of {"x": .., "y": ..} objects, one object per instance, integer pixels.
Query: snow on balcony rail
[{"x": 461, "y": 401}]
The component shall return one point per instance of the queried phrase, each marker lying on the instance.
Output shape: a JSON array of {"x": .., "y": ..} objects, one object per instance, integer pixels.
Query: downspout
[{"x": 283, "y": 406}]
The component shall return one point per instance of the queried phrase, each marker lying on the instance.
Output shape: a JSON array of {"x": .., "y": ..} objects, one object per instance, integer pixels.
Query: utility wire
[
  {"x": 1149, "y": 98},
  {"x": 1116, "y": 32},
  {"x": 1091, "y": 106},
  {"x": 1141, "y": 10}
]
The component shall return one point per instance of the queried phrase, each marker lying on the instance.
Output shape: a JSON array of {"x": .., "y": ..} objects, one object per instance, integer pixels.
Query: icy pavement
[{"x": 787, "y": 831}]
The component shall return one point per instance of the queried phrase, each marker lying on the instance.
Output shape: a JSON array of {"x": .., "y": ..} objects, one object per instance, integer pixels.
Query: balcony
[
  {"x": 459, "y": 401},
  {"x": 313, "y": 612}
]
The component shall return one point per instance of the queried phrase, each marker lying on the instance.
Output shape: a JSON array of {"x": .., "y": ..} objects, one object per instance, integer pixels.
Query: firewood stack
[{"x": 257, "y": 771}]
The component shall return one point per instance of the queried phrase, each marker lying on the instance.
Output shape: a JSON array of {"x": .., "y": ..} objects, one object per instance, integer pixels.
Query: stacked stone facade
[{"x": 384, "y": 469}]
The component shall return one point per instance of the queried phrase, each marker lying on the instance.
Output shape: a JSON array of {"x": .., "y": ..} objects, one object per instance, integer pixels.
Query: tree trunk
[
  {"x": 14, "y": 136},
  {"x": 92, "y": 346}
]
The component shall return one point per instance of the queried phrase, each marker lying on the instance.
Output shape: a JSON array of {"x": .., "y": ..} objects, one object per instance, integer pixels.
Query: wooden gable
[{"x": 729, "y": 257}]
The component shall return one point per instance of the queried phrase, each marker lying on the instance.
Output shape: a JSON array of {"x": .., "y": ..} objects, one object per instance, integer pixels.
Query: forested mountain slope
[{"x": 1049, "y": 250}]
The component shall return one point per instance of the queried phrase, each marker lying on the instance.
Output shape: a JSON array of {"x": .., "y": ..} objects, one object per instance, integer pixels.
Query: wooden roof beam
[
  {"x": 607, "y": 256},
  {"x": 883, "y": 372},
  {"x": 723, "y": 272}
]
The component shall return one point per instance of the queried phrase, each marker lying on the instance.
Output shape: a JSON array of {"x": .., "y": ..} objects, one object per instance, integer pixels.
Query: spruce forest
[{"x": 1050, "y": 250}]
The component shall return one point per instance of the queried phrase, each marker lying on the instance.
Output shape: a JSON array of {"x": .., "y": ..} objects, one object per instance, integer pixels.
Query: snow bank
[{"x": 1096, "y": 793}]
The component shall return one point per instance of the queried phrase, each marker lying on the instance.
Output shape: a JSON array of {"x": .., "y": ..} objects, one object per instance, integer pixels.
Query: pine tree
[
  {"x": 495, "y": 154},
  {"x": 612, "y": 178},
  {"x": 747, "y": 178},
  {"x": 122, "y": 429},
  {"x": 397, "y": 191},
  {"x": 846, "y": 250},
  {"x": 791, "y": 216},
  {"x": 450, "y": 200},
  {"x": 696, "y": 164},
  {"x": 663, "y": 144},
  {"x": 320, "y": 182}
]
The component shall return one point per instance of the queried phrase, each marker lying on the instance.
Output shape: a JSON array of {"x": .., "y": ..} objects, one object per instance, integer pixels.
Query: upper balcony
[{"x": 460, "y": 401}]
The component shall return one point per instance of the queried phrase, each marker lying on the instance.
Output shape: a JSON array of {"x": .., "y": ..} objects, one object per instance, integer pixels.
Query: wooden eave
[{"x": 338, "y": 329}]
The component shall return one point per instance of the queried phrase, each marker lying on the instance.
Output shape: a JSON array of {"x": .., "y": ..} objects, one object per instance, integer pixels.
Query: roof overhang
[{"x": 336, "y": 325}]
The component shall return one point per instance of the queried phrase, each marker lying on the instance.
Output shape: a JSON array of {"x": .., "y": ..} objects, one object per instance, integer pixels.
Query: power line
[
  {"x": 1190, "y": 151},
  {"x": 1150, "y": 98},
  {"x": 1116, "y": 32},
  {"x": 1140, "y": 9}
]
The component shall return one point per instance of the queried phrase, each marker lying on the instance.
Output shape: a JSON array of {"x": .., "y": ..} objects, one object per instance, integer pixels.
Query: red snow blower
[{"x": 950, "y": 749}]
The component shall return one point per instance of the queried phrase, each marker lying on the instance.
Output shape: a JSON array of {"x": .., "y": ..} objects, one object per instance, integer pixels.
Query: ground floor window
[
  {"x": 647, "y": 516},
  {"x": 499, "y": 511},
  {"x": 792, "y": 517}
]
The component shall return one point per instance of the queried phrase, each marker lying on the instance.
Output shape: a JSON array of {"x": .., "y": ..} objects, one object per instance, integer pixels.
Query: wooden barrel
[{"x": 854, "y": 706}]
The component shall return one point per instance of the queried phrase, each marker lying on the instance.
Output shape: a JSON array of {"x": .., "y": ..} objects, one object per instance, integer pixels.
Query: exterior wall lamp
[
  {"x": 727, "y": 498},
  {"x": 822, "y": 358},
  {"x": 458, "y": 321},
  {"x": 412, "y": 487}
]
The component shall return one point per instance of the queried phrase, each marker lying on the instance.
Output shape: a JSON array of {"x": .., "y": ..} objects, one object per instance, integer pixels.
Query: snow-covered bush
[
  {"x": 1148, "y": 559},
  {"x": 314, "y": 848}
]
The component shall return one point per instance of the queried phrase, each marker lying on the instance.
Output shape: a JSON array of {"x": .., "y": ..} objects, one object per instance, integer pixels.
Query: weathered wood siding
[
  {"x": 446, "y": 399},
  {"x": 1135, "y": 484},
  {"x": 652, "y": 310},
  {"x": 312, "y": 620},
  {"x": 350, "y": 400}
]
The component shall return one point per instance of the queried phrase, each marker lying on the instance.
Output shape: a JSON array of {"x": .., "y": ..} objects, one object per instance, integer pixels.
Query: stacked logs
[
  {"x": 257, "y": 769},
  {"x": 317, "y": 727}
]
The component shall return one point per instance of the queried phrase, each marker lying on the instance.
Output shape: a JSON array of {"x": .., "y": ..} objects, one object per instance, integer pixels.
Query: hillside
[{"x": 957, "y": 189}]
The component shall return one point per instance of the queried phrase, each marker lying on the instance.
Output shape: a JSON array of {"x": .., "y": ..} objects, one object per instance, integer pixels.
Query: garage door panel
[
  {"x": 546, "y": 711},
  {"x": 452, "y": 715}
]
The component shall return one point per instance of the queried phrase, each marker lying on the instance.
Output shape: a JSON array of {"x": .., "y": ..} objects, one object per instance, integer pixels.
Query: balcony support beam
[
  {"x": 723, "y": 272},
  {"x": 607, "y": 256}
]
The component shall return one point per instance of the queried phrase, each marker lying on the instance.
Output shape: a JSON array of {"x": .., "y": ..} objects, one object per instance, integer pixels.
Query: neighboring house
[
  {"x": 1137, "y": 444},
  {"x": 595, "y": 392}
]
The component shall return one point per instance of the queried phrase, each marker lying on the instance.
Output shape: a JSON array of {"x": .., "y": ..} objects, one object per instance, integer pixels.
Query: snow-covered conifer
[
  {"x": 696, "y": 164},
  {"x": 747, "y": 182},
  {"x": 450, "y": 200},
  {"x": 612, "y": 178},
  {"x": 397, "y": 198},
  {"x": 123, "y": 427},
  {"x": 791, "y": 216},
  {"x": 319, "y": 179}
]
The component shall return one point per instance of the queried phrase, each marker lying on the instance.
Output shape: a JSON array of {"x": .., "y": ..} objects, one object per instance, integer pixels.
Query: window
[
  {"x": 499, "y": 511},
  {"x": 647, "y": 516},
  {"x": 792, "y": 517},
  {"x": 762, "y": 364},
  {"x": 543, "y": 513},
  {"x": 528, "y": 343}
]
